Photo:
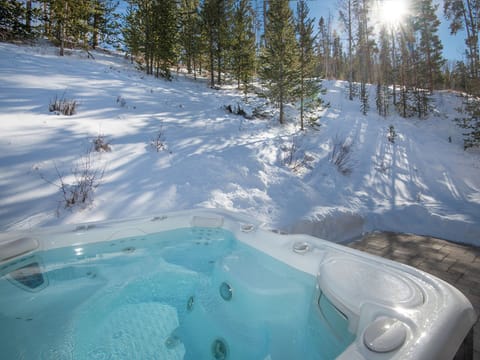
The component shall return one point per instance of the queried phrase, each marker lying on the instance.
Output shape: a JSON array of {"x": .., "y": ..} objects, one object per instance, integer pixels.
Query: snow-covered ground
[{"x": 423, "y": 183}]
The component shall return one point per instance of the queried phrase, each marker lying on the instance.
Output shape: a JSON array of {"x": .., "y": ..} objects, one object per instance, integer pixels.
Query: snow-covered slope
[{"x": 422, "y": 183}]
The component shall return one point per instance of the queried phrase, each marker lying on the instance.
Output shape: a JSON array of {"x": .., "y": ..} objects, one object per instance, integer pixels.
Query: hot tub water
[{"x": 190, "y": 293}]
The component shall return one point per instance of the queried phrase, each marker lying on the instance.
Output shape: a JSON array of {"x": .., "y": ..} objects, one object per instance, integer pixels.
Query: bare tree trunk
[
  {"x": 394, "y": 69},
  {"x": 95, "y": 29},
  {"x": 472, "y": 38},
  {"x": 281, "y": 107},
  {"x": 46, "y": 20},
  {"x": 62, "y": 28},
  {"x": 28, "y": 19},
  {"x": 350, "y": 52},
  {"x": 264, "y": 15},
  {"x": 301, "y": 103},
  {"x": 212, "y": 65},
  {"x": 281, "y": 95}
]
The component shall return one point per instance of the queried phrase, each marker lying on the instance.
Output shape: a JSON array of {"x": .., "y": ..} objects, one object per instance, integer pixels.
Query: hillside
[{"x": 208, "y": 157}]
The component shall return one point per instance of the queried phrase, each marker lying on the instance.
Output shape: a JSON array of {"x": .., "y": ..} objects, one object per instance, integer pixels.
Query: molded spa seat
[{"x": 350, "y": 283}]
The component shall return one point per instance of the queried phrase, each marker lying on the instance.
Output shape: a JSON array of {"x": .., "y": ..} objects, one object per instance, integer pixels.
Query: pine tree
[
  {"x": 338, "y": 57},
  {"x": 470, "y": 121},
  {"x": 364, "y": 51},
  {"x": 465, "y": 15},
  {"x": 406, "y": 70},
  {"x": 223, "y": 53},
  {"x": 324, "y": 46},
  {"x": 243, "y": 44},
  {"x": 103, "y": 22},
  {"x": 279, "y": 55},
  {"x": 346, "y": 13},
  {"x": 211, "y": 29},
  {"x": 384, "y": 74},
  {"x": 460, "y": 76},
  {"x": 151, "y": 31},
  {"x": 133, "y": 31},
  {"x": 364, "y": 98},
  {"x": 429, "y": 46},
  {"x": 216, "y": 20},
  {"x": 28, "y": 16},
  {"x": 69, "y": 22},
  {"x": 82, "y": 23},
  {"x": 309, "y": 86},
  {"x": 165, "y": 35},
  {"x": 11, "y": 19},
  {"x": 189, "y": 34}
]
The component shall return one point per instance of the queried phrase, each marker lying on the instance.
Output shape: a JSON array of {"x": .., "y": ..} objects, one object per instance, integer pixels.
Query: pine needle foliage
[
  {"x": 309, "y": 87},
  {"x": 279, "y": 56}
]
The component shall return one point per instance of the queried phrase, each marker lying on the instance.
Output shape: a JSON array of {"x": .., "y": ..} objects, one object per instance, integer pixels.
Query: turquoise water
[{"x": 192, "y": 293}]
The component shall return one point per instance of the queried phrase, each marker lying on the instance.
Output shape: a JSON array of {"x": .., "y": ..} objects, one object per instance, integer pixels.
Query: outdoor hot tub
[{"x": 212, "y": 285}]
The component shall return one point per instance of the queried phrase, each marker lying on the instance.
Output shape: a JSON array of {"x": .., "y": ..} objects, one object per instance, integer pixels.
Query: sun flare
[{"x": 393, "y": 12}]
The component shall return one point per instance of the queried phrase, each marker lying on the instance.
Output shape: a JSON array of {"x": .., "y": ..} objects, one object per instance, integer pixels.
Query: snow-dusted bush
[
  {"x": 295, "y": 158},
  {"x": 77, "y": 188},
  {"x": 85, "y": 180},
  {"x": 261, "y": 112},
  {"x": 63, "y": 106},
  {"x": 469, "y": 120},
  {"x": 392, "y": 134},
  {"x": 100, "y": 144},
  {"x": 158, "y": 142},
  {"x": 290, "y": 154},
  {"x": 341, "y": 155},
  {"x": 121, "y": 101},
  {"x": 238, "y": 110}
]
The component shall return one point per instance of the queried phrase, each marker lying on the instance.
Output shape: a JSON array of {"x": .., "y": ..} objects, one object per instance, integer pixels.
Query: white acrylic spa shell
[{"x": 395, "y": 311}]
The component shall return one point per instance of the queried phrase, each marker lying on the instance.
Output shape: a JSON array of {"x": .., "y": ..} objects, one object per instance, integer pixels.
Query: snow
[{"x": 210, "y": 158}]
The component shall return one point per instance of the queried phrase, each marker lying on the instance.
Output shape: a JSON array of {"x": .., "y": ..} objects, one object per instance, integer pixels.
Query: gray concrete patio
[{"x": 457, "y": 264}]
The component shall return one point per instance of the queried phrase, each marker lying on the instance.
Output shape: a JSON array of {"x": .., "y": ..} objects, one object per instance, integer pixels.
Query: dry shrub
[
  {"x": 341, "y": 155},
  {"x": 63, "y": 106},
  {"x": 100, "y": 144}
]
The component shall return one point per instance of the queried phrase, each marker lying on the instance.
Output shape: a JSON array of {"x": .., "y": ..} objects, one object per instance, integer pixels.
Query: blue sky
[{"x": 453, "y": 46}]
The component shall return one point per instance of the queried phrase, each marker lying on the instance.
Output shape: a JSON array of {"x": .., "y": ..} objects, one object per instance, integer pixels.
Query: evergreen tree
[
  {"x": 103, "y": 22},
  {"x": 394, "y": 73},
  {"x": 465, "y": 15},
  {"x": 384, "y": 73},
  {"x": 470, "y": 121},
  {"x": 133, "y": 31},
  {"x": 151, "y": 31},
  {"x": 406, "y": 71},
  {"x": 365, "y": 46},
  {"x": 460, "y": 76},
  {"x": 243, "y": 44},
  {"x": 28, "y": 16},
  {"x": 309, "y": 86},
  {"x": 18, "y": 19},
  {"x": 338, "y": 57},
  {"x": 422, "y": 101},
  {"x": 216, "y": 20},
  {"x": 211, "y": 28},
  {"x": 165, "y": 31},
  {"x": 69, "y": 22},
  {"x": 12, "y": 15},
  {"x": 279, "y": 56},
  {"x": 225, "y": 16},
  {"x": 324, "y": 46},
  {"x": 364, "y": 98},
  {"x": 82, "y": 23},
  {"x": 346, "y": 13},
  {"x": 426, "y": 23},
  {"x": 189, "y": 34}
]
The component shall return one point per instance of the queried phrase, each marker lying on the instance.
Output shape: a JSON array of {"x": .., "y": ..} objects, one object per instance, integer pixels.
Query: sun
[{"x": 393, "y": 12}]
